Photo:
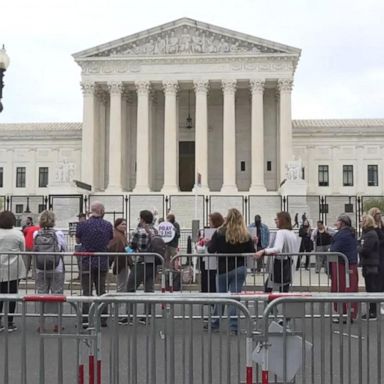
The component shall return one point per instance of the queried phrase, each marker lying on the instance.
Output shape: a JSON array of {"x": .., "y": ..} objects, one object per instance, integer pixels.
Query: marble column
[
  {"x": 257, "y": 137},
  {"x": 142, "y": 137},
  {"x": 171, "y": 158},
  {"x": 115, "y": 138},
  {"x": 100, "y": 126},
  {"x": 286, "y": 150},
  {"x": 229, "y": 137},
  {"x": 88, "y": 135},
  {"x": 201, "y": 132}
]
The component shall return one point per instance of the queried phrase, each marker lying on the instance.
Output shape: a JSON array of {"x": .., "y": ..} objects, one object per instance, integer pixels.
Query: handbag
[{"x": 282, "y": 271}]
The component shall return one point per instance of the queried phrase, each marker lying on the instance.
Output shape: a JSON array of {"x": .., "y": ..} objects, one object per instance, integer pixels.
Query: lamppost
[{"x": 4, "y": 62}]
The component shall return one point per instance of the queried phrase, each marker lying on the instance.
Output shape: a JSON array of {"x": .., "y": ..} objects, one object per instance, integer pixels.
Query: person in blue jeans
[{"x": 231, "y": 237}]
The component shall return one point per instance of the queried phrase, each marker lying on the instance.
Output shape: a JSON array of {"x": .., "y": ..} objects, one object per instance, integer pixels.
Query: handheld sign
[{"x": 166, "y": 231}]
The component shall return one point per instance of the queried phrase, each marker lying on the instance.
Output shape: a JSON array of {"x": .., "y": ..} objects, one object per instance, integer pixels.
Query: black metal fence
[{"x": 188, "y": 206}]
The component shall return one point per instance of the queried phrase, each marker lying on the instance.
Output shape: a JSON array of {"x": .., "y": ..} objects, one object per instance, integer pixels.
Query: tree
[{"x": 373, "y": 202}]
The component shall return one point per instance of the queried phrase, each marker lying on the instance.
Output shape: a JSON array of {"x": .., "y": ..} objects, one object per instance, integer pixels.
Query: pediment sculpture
[{"x": 186, "y": 41}]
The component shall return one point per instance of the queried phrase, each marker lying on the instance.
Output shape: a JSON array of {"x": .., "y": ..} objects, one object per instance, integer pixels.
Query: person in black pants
[{"x": 306, "y": 244}]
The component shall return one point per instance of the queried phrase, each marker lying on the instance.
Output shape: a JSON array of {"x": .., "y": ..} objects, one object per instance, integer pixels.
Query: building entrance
[{"x": 186, "y": 165}]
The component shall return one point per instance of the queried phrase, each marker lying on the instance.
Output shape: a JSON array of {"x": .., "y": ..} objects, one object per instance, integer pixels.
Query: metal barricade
[
  {"x": 189, "y": 272},
  {"x": 322, "y": 338},
  {"x": 173, "y": 346},
  {"x": 46, "y": 349}
]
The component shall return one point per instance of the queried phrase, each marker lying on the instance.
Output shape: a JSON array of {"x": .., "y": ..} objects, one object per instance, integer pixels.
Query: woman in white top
[
  {"x": 280, "y": 267},
  {"x": 12, "y": 267}
]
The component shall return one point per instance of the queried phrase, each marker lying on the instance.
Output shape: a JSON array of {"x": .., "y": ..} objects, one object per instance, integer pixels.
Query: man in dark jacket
[{"x": 344, "y": 241}]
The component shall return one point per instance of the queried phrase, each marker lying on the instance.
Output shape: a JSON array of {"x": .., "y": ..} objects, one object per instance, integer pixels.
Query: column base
[
  {"x": 167, "y": 189},
  {"x": 257, "y": 189},
  {"x": 229, "y": 189},
  {"x": 203, "y": 190},
  {"x": 141, "y": 189},
  {"x": 114, "y": 189}
]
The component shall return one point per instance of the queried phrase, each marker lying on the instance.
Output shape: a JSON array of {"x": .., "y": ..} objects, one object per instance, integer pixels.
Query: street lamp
[{"x": 4, "y": 62}]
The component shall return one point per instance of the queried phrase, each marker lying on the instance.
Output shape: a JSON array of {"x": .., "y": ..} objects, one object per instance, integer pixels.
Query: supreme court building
[
  {"x": 190, "y": 103},
  {"x": 186, "y": 99}
]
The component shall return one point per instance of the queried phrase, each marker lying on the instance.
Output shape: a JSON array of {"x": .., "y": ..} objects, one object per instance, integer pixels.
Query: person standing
[
  {"x": 261, "y": 240},
  {"x": 321, "y": 238},
  {"x": 280, "y": 268},
  {"x": 344, "y": 241},
  {"x": 209, "y": 262},
  {"x": 369, "y": 260},
  {"x": 121, "y": 263},
  {"x": 376, "y": 214},
  {"x": 50, "y": 269},
  {"x": 231, "y": 237},
  {"x": 306, "y": 244},
  {"x": 94, "y": 235},
  {"x": 12, "y": 267},
  {"x": 173, "y": 245},
  {"x": 28, "y": 230},
  {"x": 144, "y": 269}
]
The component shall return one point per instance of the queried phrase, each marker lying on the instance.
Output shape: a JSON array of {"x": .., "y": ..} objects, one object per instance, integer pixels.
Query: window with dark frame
[
  {"x": 348, "y": 175},
  {"x": 373, "y": 175},
  {"x": 1, "y": 177},
  {"x": 41, "y": 208},
  {"x": 323, "y": 176},
  {"x": 20, "y": 177},
  {"x": 43, "y": 177},
  {"x": 19, "y": 208}
]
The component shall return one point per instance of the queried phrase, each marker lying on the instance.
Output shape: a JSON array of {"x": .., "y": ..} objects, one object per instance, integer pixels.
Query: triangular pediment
[{"x": 186, "y": 37}]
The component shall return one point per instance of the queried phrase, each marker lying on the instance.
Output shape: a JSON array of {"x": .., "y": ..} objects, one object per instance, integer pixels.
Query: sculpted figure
[
  {"x": 209, "y": 44},
  {"x": 173, "y": 42},
  {"x": 223, "y": 46},
  {"x": 197, "y": 43},
  {"x": 160, "y": 46},
  {"x": 185, "y": 42},
  {"x": 149, "y": 47}
]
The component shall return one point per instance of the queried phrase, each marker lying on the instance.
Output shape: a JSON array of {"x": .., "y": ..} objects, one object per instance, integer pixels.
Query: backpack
[
  {"x": 157, "y": 245},
  {"x": 46, "y": 241}
]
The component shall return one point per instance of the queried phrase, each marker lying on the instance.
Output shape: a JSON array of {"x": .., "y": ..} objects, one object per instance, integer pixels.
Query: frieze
[
  {"x": 235, "y": 65},
  {"x": 187, "y": 40}
]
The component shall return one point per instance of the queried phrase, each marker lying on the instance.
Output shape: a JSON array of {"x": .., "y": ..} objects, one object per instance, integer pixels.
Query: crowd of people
[{"x": 98, "y": 240}]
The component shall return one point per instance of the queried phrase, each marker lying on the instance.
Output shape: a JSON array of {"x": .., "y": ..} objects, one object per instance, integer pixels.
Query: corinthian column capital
[
  {"x": 115, "y": 87},
  {"x": 142, "y": 87},
  {"x": 88, "y": 87},
  {"x": 170, "y": 86},
  {"x": 229, "y": 85},
  {"x": 257, "y": 86},
  {"x": 201, "y": 86},
  {"x": 285, "y": 85}
]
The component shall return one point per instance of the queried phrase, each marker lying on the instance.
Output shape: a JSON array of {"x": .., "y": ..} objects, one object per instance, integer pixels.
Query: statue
[
  {"x": 294, "y": 170},
  {"x": 65, "y": 172}
]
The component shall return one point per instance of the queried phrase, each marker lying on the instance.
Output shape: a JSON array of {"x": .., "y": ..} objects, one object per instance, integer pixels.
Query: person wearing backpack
[
  {"x": 50, "y": 265},
  {"x": 145, "y": 239}
]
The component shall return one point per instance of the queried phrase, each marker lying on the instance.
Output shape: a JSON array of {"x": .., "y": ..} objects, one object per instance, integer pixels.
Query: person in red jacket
[{"x": 28, "y": 230}]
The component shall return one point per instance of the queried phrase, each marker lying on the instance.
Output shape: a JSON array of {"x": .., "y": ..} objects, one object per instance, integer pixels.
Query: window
[
  {"x": 323, "y": 176},
  {"x": 20, "y": 177},
  {"x": 373, "y": 176},
  {"x": 348, "y": 175},
  {"x": 1, "y": 177},
  {"x": 41, "y": 208},
  {"x": 269, "y": 165},
  {"x": 43, "y": 177},
  {"x": 19, "y": 208},
  {"x": 242, "y": 166}
]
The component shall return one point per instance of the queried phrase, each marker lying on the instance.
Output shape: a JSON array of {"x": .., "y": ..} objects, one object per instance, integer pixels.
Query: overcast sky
[{"x": 340, "y": 73}]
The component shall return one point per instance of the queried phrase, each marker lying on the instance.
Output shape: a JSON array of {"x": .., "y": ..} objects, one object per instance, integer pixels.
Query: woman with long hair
[
  {"x": 231, "y": 237},
  {"x": 376, "y": 214},
  {"x": 280, "y": 268},
  {"x": 369, "y": 260},
  {"x": 121, "y": 263}
]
